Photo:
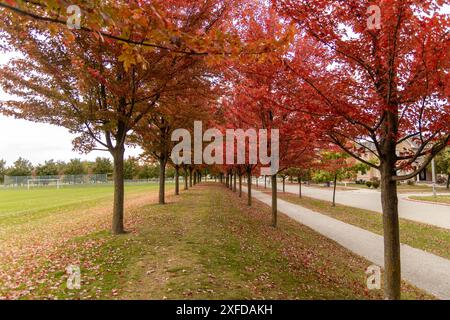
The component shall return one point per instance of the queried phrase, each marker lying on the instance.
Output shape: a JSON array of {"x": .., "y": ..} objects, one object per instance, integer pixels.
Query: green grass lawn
[
  {"x": 21, "y": 205},
  {"x": 205, "y": 244},
  {"x": 402, "y": 188},
  {"x": 418, "y": 235},
  {"x": 438, "y": 199}
]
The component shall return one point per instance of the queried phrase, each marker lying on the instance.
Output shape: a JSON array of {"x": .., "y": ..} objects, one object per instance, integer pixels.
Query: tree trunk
[
  {"x": 256, "y": 182},
  {"x": 265, "y": 182},
  {"x": 334, "y": 190},
  {"x": 274, "y": 201},
  {"x": 389, "y": 201},
  {"x": 249, "y": 188},
  {"x": 299, "y": 187},
  {"x": 186, "y": 185},
  {"x": 235, "y": 181},
  {"x": 448, "y": 181},
  {"x": 162, "y": 180},
  {"x": 177, "y": 180},
  {"x": 284, "y": 184},
  {"x": 119, "y": 192},
  {"x": 240, "y": 185},
  {"x": 195, "y": 178},
  {"x": 190, "y": 177}
]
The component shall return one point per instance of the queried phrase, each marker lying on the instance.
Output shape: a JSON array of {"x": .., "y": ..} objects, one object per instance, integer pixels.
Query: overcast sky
[{"x": 39, "y": 142}]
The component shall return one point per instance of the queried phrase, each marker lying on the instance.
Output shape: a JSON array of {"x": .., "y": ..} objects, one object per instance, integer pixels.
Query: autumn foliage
[{"x": 314, "y": 70}]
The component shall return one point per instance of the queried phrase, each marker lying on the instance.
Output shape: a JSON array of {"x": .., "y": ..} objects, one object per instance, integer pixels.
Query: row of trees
[
  {"x": 365, "y": 91},
  {"x": 136, "y": 71},
  {"x": 133, "y": 168}
]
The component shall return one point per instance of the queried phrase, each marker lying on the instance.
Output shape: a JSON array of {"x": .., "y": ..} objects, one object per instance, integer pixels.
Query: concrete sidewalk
[
  {"x": 432, "y": 214},
  {"x": 424, "y": 270}
]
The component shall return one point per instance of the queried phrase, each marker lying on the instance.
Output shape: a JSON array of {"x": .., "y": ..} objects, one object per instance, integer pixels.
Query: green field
[
  {"x": 205, "y": 244},
  {"x": 21, "y": 205}
]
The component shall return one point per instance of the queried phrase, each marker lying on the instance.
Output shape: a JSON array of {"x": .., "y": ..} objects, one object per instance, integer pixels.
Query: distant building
[{"x": 406, "y": 146}]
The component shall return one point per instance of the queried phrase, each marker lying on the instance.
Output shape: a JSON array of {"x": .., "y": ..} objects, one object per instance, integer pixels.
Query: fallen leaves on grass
[{"x": 31, "y": 254}]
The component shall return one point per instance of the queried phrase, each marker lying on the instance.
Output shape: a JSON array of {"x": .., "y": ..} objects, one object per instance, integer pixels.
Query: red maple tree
[{"x": 374, "y": 88}]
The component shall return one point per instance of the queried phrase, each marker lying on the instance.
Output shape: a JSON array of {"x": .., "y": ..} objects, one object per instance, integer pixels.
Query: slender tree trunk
[
  {"x": 274, "y": 201},
  {"x": 334, "y": 190},
  {"x": 256, "y": 182},
  {"x": 177, "y": 180},
  {"x": 299, "y": 187},
  {"x": 284, "y": 184},
  {"x": 162, "y": 180},
  {"x": 240, "y": 185},
  {"x": 190, "y": 177},
  {"x": 186, "y": 185},
  {"x": 235, "y": 181},
  {"x": 195, "y": 178},
  {"x": 119, "y": 192},
  {"x": 265, "y": 182},
  {"x": 249, "y": 188},
  {"x": 448, "y": 181},
  {"x": 389, "y": 201}
]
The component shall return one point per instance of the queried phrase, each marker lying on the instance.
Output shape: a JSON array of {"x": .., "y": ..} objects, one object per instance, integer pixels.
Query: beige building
[{"x": 424, "y": 176}]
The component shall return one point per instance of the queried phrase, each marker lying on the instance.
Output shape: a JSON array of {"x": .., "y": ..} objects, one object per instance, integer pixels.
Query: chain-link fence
[{"x": 23, "y": 181}]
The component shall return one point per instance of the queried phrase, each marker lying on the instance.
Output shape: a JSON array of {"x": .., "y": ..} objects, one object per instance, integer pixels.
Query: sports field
[
  {"x": 204, "y": 244},
  {"x": 22, "y": 205}
]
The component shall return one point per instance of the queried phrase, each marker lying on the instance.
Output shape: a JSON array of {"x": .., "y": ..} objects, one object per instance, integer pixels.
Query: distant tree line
[{"x": 133, "y": 168}]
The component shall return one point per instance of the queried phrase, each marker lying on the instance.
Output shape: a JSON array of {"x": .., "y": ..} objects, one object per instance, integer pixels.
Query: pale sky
[{"x": 39, "y": 142}]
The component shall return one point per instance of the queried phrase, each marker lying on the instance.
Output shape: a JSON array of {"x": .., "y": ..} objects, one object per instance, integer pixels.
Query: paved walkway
[
  {"x": 424, "y": 270},
  {"x": 433, "y": 214}
]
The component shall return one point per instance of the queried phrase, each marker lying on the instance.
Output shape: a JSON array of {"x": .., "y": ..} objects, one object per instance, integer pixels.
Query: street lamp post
[{"x": 433, "y": 172}]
